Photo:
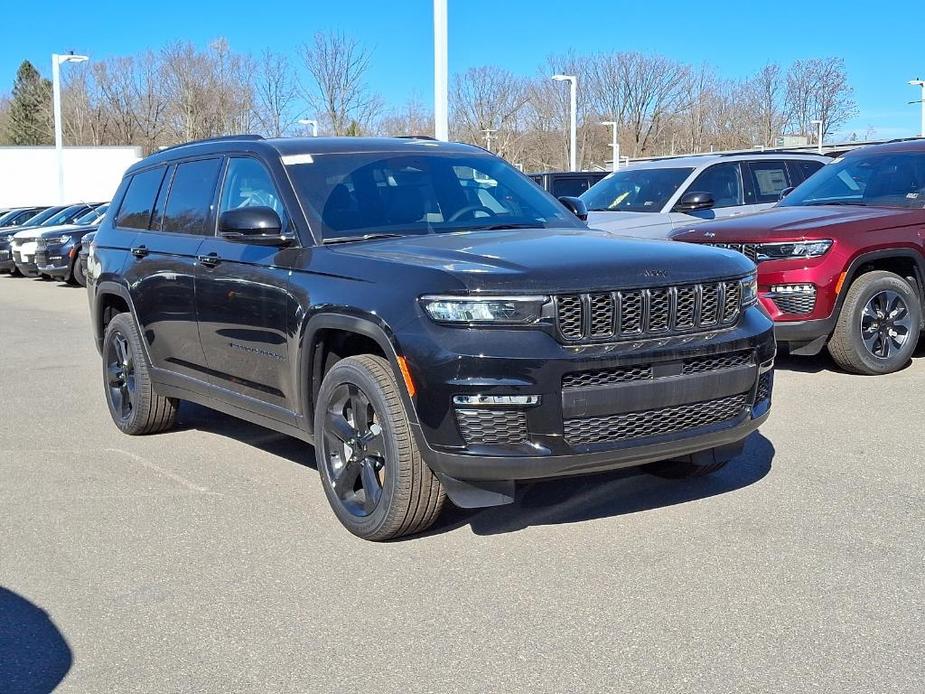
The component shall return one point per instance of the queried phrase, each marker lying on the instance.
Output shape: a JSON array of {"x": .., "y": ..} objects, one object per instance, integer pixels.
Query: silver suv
[{"x": 652, "y": 198}]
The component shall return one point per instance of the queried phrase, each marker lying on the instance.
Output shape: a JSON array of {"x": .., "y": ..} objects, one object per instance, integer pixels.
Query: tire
[
  {"x": 77, "y": 273},
  {"x": 871, "y": 296},
  {"x": 679, "y": 469},
  {"x": 14, "y": 272},
  {"x": 379, "y": 487},
  {"x": 133, "y": 404}
]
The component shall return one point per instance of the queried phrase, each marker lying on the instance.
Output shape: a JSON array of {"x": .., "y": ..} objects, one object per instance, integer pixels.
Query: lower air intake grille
[
  {"x": 764, "y": 387},
  {"x": 796, "y": 303},
  {"x": 604, "y": 377},
  {"x": 635, "y": 425},
  {"x": 492, "y": 426},
  {"x": 698, "y": 365}
]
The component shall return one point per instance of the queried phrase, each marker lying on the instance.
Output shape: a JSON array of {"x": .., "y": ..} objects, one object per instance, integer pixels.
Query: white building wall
[{"x": 29, "y": 175}]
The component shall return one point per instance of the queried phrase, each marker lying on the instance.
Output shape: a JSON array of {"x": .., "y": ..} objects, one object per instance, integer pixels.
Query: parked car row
[
  {"x": 46, "y": 242},
  {"x": 840, "y": 257}
]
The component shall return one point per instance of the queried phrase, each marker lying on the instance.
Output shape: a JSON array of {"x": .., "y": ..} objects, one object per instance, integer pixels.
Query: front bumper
[
  {"x": 25, "y": 265},
  {"x": 53, "y": 261},
  {"x": 6, "y": 260},
  {"x": 631, "y": 403}
]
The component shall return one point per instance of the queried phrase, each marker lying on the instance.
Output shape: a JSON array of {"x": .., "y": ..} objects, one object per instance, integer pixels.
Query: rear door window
[
  {"x": 138, "y": 201},
  {"x": 802, "y": 169},
  {"x": 768, "y": 180},
  {"x": 189, "y": 203}
]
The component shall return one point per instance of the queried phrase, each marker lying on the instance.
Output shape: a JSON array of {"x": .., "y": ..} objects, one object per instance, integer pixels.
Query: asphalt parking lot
[{"x": 207, "y": 559}]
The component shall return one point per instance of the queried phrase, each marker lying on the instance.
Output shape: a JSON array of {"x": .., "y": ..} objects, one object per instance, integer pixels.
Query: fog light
[
  {"x": 793, "y": 289},
  {"x": 475, "y": 400}
]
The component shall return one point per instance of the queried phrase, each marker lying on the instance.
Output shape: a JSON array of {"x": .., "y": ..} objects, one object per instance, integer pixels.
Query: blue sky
[{"x": 878, "y": 41}]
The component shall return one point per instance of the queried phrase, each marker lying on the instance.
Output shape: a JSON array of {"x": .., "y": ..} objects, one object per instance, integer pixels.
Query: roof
[
  {"x": 912, "y": 144},
  {"x": 701, "y": 160}
]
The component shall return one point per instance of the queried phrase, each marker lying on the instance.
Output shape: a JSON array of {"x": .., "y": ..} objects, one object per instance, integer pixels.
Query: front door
[
  {"x": 243, "y": 298},
  {"x": 723, "y": 181}
]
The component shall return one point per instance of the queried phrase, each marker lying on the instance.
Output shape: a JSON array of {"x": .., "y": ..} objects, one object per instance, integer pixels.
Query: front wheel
[
  {"x": 77, "y": 274},
  {"x": 878, "y": 327},
  {"x": 371, "y": 470}
]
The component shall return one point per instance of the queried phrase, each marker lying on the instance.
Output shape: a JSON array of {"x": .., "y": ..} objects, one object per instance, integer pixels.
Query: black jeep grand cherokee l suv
[{"x": 425, "y": 315}]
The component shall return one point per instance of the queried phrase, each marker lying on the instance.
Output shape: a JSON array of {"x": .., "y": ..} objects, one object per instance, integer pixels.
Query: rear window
[
  {"x": 191, "y": 195},
  {"x": 135, "y": 210},
  {"x": 573, "y": 185}
]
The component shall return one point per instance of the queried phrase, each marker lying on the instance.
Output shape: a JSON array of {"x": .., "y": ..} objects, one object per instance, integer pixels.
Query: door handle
[
  {"x": 140, "y": 251},
  {"x": 210, "y": 260}
]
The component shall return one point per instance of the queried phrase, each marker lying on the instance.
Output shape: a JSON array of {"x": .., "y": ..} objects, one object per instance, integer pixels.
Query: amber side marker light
[
  {"x": 406, "y": 375},
  {"x": 841, "y": 281}
]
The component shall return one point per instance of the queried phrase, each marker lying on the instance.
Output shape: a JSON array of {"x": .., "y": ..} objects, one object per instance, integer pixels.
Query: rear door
[
  {"x": 162, "y": 271},
  {"x": 242, "y": 296}
]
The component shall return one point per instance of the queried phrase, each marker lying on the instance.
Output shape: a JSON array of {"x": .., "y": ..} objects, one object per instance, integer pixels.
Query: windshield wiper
[
  {"x": 365, "y": 237},
  {"x": 508, "y": 225},
  {"x": 819, "y": 203}
]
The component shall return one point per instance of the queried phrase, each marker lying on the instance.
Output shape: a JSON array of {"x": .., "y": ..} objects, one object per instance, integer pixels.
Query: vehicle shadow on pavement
[
  {"x": 605, "y": 495},
  {"x": 34, "y": 655},
  {"x": 824, "y": 362}
]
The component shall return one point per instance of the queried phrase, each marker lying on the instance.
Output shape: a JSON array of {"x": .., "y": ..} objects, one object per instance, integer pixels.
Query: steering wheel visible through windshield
[
  {"x": 635, "y": 190},
  {"x": 355, "y": 195},
  {"x": 891, "y": 179}
]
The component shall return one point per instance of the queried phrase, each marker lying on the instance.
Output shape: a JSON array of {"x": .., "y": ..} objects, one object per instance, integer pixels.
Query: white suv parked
[{"x": 652, "y": 198}]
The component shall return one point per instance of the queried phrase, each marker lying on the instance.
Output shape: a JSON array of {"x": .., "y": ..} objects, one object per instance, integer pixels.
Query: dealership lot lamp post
[
  {"x": 56, "y": 61},
  {"x": 488, "y": 132},
  {"x": 312, "y": 122},
  {"x": 441, "y": 77},
  {"x": 920, "y": 83},
  {"x": 573, "y": 117},
  {"x": 615, "y": 145},
  {"x": 818, "y": 124}
]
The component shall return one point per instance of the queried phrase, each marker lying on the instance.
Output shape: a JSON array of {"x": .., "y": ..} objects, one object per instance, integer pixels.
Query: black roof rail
[{"x": 220, "y": 138}]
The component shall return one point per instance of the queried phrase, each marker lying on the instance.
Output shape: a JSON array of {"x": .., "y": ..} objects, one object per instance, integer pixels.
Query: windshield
[
  {"x": 370, "y": 193},
  {"x": 10, "y": 217},
  {"x": 892, "y": 179},
  {"x": 635, "y": 190},
  {"x": 64, "y": 216},
  {"x": 93, "y": 216},
  {"x": 41, "y": 217}
]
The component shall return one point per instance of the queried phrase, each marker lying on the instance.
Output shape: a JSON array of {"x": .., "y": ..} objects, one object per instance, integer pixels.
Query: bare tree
[
  {"x": 412, "y": 118},
  {"x": 766, "y": 94},
  {"x": 489, "y": 98},
  {"x": 818, "y": 89},
  {"x": 275, "y": 93},
  {"x": 338, "y": 65}
]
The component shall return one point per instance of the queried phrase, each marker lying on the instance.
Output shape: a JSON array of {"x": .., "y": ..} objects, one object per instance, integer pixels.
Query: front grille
[
  {"x": 492, "y": 426},
  {"x": 41, "y": 258},
  {"x": 718, "y": 362},
  {"x": 668, "y": 420},
  {"x": 749, "y": 250},
  {"x": 765, "y": 383},
  {"x": 795, "y": 303},
  {"x": 604, "y": 377},
  {"x": 647, "y": 312}
]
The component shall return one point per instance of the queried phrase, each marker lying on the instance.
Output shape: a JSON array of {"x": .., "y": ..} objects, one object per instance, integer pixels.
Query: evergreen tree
[{"x": 30, "y": 119}]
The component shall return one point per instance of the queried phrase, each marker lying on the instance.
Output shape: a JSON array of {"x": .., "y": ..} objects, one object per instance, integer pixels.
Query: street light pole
[
  {"x": 818, "y": 124},
  {"x": 920, "y": 83},
  {"x": 441, "y": 78},
  {"x": 573, "y": 118},
  {"x": 312, "y": 122},
  {"x": 488, "y": 132},
  {"x": 56, "y": 61},
  {"x": 615, "y": 145}
]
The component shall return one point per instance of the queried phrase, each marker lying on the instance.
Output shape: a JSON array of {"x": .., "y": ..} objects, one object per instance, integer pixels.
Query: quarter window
[
  {"x": 723, "y": 182},
  {"x": 190, "y": 200},
  {"x": 135, "y": 210}
]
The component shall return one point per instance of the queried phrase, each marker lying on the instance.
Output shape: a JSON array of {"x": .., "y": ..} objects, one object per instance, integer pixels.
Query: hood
[
  {"x": 799, "y": 222},
  {"x": 49, "y": 232},
  {"x": 553, "y": 260}
]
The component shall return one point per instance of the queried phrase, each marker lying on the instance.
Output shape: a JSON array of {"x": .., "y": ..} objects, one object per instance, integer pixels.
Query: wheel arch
[
  {"x": 312, "y": 359},
  {"x": 890, "y": 260}
]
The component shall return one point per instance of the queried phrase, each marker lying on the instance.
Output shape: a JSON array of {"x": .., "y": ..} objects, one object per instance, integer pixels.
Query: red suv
[{"x": 841, "y": 259}]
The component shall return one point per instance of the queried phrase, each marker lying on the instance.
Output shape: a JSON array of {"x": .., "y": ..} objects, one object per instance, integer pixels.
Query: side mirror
[
  {"x": 255, "y": 225},
  {"x": 694, "y": 201},
  {"x": 576, "y": 206},
  {"x": 785, "y": 192}
]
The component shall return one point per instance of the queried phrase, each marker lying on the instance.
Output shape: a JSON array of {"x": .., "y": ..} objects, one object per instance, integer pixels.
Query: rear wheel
[
  {"x": 878, "y": 327},
  {"x": 133, "y": 404},
  {"x": 372, "y": 472}
]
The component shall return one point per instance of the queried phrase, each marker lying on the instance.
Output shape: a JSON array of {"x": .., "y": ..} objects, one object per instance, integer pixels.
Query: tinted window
[
  {"x": 422, "y": 193},
  {"x": 248, "y": 184},
  {"x": 93, "y": 216},
  {"x": 723, "y": 182},
  {"x": 190, "y": 199},
  {"x": 768, "y": 179},
  {"x": 635, "y": 190},
  {"x": 573, "y": 185},
  {"x": 890, "y": 179},
  {"x": 135, "y": 210},
  {"x": 65, "y": 216},
  {"x": 41, "y": 217},
  {"x": 805, "y": 169}
]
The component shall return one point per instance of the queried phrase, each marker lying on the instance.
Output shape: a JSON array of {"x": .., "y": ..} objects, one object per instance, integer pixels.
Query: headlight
[
  {"x": 795, "y": 249},
  {"x": 749, "y": 290},
  {"x": 57, "y": 240},
  {"x": 495, "y": 310}
]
